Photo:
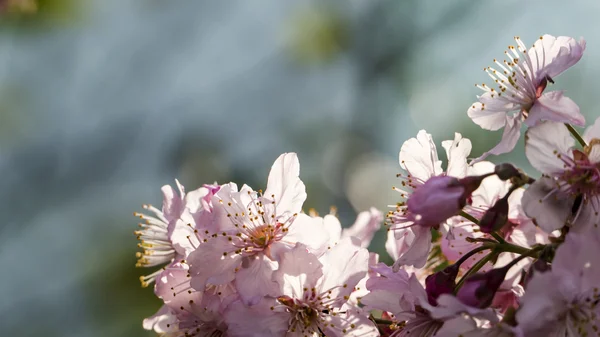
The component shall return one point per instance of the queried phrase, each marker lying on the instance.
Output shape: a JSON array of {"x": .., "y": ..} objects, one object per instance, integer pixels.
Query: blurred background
[{"x": 104, "y": 101}]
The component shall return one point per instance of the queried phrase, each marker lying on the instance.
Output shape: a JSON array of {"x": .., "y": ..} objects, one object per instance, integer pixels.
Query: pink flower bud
[
  {"x": 478, "y": 290},
  {"x": 496, "y": 217},
  {"x": 440, "y": 198},
  {"x": 442, "y": 282}
]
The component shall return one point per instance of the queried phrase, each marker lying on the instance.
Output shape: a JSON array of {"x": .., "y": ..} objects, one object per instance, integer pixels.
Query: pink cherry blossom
[
  {"x": 411, "y": 221},
  {"x": 564, "y": 301},
  {"x": 165, "y": 236},
  {"x": 313, "y": 297},
  {"x": 570, "y": 174},
  {"x": 519, "y": 96},
  {"x": 254, "y": 230},
  {"x": 364, "y": 227}
]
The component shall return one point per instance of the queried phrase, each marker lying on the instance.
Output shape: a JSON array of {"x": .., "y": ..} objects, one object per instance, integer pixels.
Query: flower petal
[
  {"x": 418, "y": 248},
  {"x": 549, "y": 211},
  {"x": 545, "y": 144},
  {"x": 254, "y": 279},
  {"x": 510, "y": 137},
  {"x": 209, "y": 263},
  {"x": 553, "y": 106},
  {"x": 489, "y": 113},
  {"x": 550, "y": 55},
  {"x": 592, "y": 131},
  {"x": 365, "y": 226},
  {"x": 354, "y": 322},
  {"x": 418, "y": 156},
  {"x": 285, "y": 185},
  {"x": 298, "y": 269},
  {"x": 457, "y": 151}
]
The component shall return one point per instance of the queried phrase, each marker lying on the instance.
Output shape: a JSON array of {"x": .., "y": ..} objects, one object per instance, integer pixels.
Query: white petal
[
  {"x": 418, "y": 249},
  {"x": 354, "y": 322},
  {"x": 553, "y": 106},
  {"x": 418, "y": 156},
  {"x": 489, "y": 113},
  {"x": 365, "y": 226},
  {"x": 343, "y": 267},
  {"x": 551, "y": 55},
  {"x": 592, "y": 131},
  {"x": 510, "y": 137},
  {"x": 308, "y": 231},
  {"x": 333, "y": 227},
  {"x": 550, "y": 212},
  {"x": 457, "y": 151},
  {"x": 285, "y": 184},
  {"x": 298, "y": 269},
  {"x": 543, "y": 145}
]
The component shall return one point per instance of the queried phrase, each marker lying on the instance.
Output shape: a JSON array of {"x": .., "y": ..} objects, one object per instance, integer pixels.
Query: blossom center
[{"x": 581, "y": 177}]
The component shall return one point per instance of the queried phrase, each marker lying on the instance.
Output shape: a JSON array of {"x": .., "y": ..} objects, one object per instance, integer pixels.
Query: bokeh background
[{"x": 104, "y": 101}]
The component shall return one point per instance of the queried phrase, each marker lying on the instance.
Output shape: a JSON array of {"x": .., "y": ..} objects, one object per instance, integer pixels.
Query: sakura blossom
[
  {"x": 519, "y": 96},
  {"x": 429, "y": 195},
  {"x": 253, "y": 230},
  {"x": 564, "y": 300},
  {"x": 570, "y": 176},
  {"x": 481, "y": 249}
]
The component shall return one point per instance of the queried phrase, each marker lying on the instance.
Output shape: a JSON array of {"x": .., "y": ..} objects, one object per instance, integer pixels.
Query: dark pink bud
[
  {"x": 539, "y": 266},
  {"x": 440, "y": 198},
  {"x": 496, "y": 217},
  {"x": 442, "y": 282},
  {"x": 478, "y": 290},
  {"x": 506, "y": 171}
]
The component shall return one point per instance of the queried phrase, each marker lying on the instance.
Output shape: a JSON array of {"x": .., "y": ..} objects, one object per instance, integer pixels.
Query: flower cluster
[{"x": 480, "y": 249}]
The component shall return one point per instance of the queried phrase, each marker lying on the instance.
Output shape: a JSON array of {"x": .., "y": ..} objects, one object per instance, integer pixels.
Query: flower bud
[
  {"x": 438, "y": 199},
  {"x": 539, "y": 266},
  {"x": 478, "y": 290},
  {"x": 496, "y": 217},
  {"x": 506, "y": 171},
  {"x": 442, "y": 282}
]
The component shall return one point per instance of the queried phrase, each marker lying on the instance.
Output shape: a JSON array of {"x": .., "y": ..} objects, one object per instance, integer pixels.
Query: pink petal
[
  {"x": 418, "y": 156},
  {"x": 510, "y": 137},
  {"x": 550, "y": 212},
  {"x": 308, "y": 231},
  {"x": 354, "y": 322},
  {"x": 298, "y": 269},
  {"x": 256, "y": 321},
  {"x": 457, "y": 151},
  {"x": 162, "y": 321},
  {"x": 254, "y": 279},
  {"x": 553, "y": 106},
  {"x": 209, "y": 264},
  {"x": 418, "y": 249},
  {"x": 543, "y": 145},
  {"x": 343, "y": 267},
  {"x": 365, "y": 226},
  {"x": 285, "y": 184}
]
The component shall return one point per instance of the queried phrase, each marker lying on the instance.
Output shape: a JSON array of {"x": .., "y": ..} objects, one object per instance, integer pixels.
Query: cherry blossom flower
[
  {"x": 410, "y": 224},
  {"x": 564, "y": 301},
  {"x": 254, "y": 229},
  {"x": 405, "y": 300},
  {"x": 313, "y": 298},
  {"x": 164, "y": 236},
  {"x": 519, "y": 97},
  {"x": 186, "y": 310},
  {"x": 569, "y": 191}
]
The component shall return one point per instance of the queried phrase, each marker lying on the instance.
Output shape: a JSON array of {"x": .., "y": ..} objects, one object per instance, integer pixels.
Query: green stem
[
  {"x": 475, "y": 221},
  {"x": 474, "y": 269},
  {"x": 576, "y": 135},
  {"x": 509, "y": 247},
  {"x": 381, "y": 321}
]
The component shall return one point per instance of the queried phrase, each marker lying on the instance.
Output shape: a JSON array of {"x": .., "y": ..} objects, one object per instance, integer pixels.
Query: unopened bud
[
  {"x": 438, "y": 199},
  {"x": 496, "y": 217},
  {"x": 506, "y": 171},
  {"x": 442, "y": 282},
  {"x": 478, "y": 290},
  {"x": 539, "y": 266}
]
